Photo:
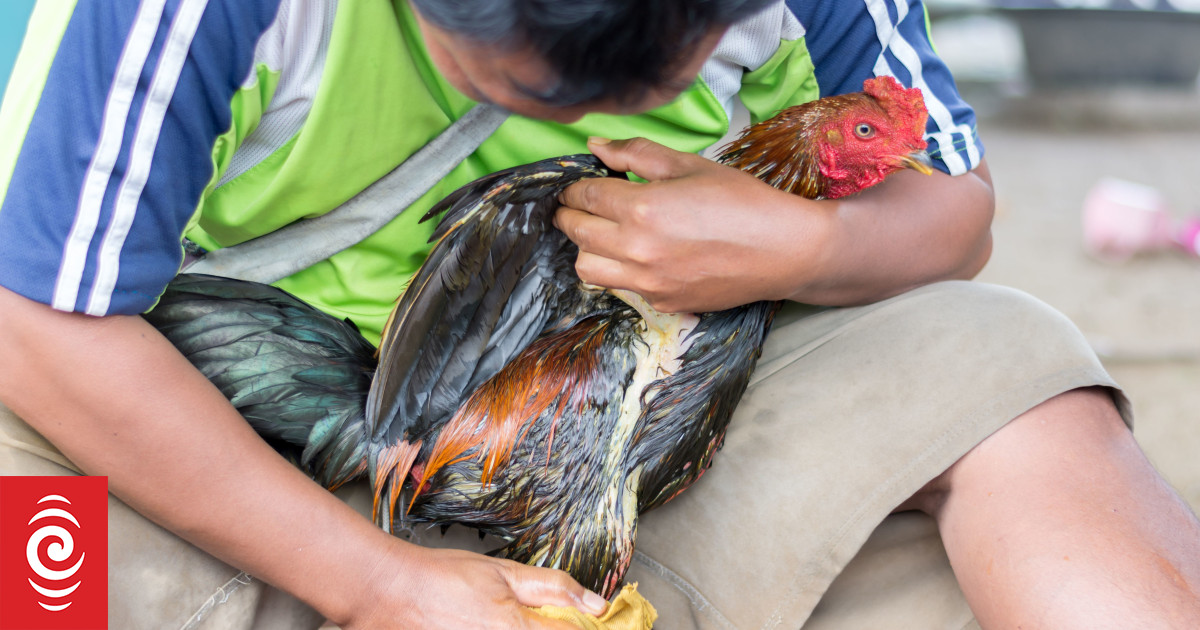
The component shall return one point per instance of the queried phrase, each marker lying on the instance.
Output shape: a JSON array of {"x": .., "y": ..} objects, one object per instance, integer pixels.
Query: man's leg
[
  {"x": 850, "y": 412},
  {"x": 1059, "y": 521}
]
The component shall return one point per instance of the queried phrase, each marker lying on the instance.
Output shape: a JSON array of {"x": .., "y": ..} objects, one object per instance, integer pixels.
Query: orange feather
[{"x": 497, "y": 416}]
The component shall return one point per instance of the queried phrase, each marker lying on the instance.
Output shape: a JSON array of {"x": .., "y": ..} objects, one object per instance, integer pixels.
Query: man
[{"x": 221, "y": 121}]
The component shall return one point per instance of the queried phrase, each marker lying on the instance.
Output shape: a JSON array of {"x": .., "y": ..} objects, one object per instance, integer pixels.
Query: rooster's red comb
[{"x": 904, "y": 105}]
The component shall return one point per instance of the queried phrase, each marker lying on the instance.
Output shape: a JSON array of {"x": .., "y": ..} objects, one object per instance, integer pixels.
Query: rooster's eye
[{"x": 863, "y": 130}]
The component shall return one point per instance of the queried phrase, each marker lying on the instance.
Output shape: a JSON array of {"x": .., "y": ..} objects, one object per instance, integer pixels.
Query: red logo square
[{"x": 53, "y": 553}]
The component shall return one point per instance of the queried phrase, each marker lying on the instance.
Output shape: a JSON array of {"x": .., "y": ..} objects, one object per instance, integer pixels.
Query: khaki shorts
[{"x": 850, "y": 411}]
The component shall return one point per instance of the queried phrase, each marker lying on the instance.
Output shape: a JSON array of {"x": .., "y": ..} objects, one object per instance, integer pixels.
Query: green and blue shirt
[{"x": 128, "y": 126}]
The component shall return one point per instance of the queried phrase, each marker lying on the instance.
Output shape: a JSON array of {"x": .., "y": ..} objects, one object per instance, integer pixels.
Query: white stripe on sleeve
[
  {"x": 145, "y": 140},
  {"x": 108, "y": 147},
  {"x": 907, "y": 55}
]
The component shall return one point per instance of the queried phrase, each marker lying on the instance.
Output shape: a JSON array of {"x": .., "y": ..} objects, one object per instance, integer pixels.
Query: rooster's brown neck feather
[{"x": 781, "y": 151}]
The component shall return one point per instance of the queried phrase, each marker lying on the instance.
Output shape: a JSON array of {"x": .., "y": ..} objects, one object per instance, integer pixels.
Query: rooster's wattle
[{"x": 509, "y": 396}]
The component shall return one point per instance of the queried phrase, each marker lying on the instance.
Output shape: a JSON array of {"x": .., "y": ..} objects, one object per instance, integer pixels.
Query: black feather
[
  {"x": 456, "y": 325},
  {"x": 298, "y": 376}
]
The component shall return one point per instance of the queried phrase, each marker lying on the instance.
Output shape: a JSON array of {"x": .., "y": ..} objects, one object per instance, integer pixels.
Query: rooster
[{"x": 508, "y": 395}]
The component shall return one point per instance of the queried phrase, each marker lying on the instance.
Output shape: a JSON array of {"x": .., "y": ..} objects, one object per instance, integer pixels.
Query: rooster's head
[{"x": 837, "y": 145}]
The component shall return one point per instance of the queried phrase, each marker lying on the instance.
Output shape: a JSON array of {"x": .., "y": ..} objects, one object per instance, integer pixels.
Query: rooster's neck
[{"x": 784, "y": 151}]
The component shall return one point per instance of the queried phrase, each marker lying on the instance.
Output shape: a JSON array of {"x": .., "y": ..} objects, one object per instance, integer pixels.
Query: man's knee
[
  {"x": 1050, "y": 363},
  {"x": 1080, "y": 430}
]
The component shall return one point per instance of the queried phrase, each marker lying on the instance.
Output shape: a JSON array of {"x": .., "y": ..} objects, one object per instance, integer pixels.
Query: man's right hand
[{"x": 448, "y": 588}]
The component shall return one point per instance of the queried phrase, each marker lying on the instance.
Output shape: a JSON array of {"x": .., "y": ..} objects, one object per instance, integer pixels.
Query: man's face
[{"x": 509, "y": 78}]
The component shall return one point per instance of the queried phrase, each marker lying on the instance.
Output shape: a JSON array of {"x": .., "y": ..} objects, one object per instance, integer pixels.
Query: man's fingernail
[
  {"x": 598, "y": 140},
  {"x": 594, "y": 602}
]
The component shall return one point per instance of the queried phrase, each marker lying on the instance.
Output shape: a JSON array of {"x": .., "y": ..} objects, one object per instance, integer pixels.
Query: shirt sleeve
[
  {"x": 112, "y": 160},
  {"x": 851, "y": 41}
]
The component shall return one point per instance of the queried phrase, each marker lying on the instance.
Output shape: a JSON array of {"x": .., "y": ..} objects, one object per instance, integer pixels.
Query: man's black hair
[{"x": 598, "y": 48}]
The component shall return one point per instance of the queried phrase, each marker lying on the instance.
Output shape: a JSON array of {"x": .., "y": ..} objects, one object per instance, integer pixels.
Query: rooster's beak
[{"x": 918, "y": 161}]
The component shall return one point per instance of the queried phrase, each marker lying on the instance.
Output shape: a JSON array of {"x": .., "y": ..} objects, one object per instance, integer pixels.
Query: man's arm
[
  {"x": 118, "y": 400},
  {"x": 700, "y": 236}
]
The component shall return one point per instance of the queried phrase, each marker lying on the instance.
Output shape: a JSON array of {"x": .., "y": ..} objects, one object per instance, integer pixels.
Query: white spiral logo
[{"x": 59, "y": 551}]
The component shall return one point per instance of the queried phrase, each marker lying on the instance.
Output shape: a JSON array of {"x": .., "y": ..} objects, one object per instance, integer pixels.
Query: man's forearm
[
  {"x": 909, "y": 231},
  {"x": 118, "y": 400}
]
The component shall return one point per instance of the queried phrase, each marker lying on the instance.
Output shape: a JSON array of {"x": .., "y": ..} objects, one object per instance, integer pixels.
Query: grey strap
[{"x": 304, "y": 243}]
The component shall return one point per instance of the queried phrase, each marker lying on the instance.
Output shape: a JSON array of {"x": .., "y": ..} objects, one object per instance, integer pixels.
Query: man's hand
[
  {"x": 447, "y": 588},
  {"x": 701, "y": 236}
]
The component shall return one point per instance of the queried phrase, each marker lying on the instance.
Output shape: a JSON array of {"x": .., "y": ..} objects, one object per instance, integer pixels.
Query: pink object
[
  {"x": 1121, "y": 218},
  {"x": 1189, "y": 236}
]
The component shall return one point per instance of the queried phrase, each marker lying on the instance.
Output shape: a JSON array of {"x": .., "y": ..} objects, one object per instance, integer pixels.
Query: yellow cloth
[{"x": 628, "y": 611}]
